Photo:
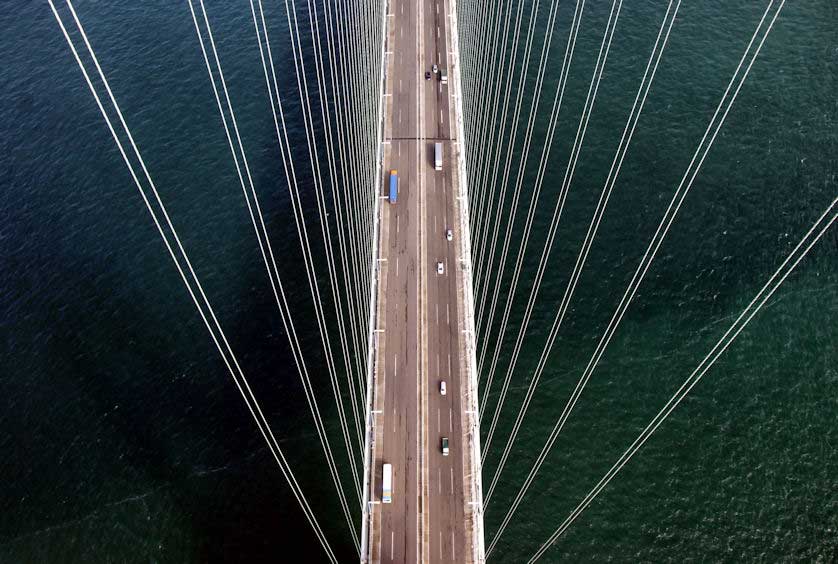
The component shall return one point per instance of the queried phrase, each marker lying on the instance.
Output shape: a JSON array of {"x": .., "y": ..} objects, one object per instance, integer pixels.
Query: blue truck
[{"x": 394, "y": 185}]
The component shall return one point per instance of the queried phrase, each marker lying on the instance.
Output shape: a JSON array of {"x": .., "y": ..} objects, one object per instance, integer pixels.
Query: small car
[
  {"x": 427, "y": 76},
  {"x": 442, "y": 388},
  {"x": 435, "y": 69},
  {"x": 440, "y": 268},
  {"x": 449, "y": 235},
  {"x": 444, "y": 446}
]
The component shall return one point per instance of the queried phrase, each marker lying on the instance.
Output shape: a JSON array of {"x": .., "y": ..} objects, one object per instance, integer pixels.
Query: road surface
[{"x": 421, "y": 313}]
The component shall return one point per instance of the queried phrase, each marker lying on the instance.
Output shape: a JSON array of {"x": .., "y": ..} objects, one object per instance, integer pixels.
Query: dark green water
[
  {"x": 125, "y": 441},
  {"x": 745, "y": 469}
]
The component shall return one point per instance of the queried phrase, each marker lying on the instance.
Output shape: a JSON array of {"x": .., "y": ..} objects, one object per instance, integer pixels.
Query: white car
[
  {"x": 449, "y": 235},
  {"x": 442, "y": 388},
  {"x": 435, "y": 69},
  {"x": 440, "y": 269}
]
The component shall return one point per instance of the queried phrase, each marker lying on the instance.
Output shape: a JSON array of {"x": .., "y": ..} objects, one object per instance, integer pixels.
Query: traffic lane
[
  {"x": 454, "y": 542},
  {"x": 437, "y": 461},
  {"x": 408, "y": 380},
  {"x": 436, "y": 50},
  {"x": 447, "y": 532},
  {"x": 456, "y": 342},
  {"x": 432, "y": 86},
  {"x": 399, "y": 518},
  {"x": 392, "y": 513},
  {"x": 398, "y": 534},
  {"x": 404, "y": 76}
]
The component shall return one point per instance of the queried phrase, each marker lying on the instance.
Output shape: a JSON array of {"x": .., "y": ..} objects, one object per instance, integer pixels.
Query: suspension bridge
[{"x": 427, "y": 167}]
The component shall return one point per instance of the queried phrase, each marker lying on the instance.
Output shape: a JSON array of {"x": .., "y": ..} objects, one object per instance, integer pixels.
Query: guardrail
[
  {"x": 478, "y": 541},
  {"x": 372, "y": 343}
]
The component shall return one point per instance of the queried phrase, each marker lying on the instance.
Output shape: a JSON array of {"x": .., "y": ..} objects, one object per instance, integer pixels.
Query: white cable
[
  {"x": 759, "y": 301},
  {"x": 616, "y": 165},
  {"x": 270, "y": 265},
  {"x": 237, "y": 375},
  {"x": 530, "y": 214},
  {"x": 321, "y": 320},
  {"x": 513, "y": 133},
  {"x": 650, "y": 253}
]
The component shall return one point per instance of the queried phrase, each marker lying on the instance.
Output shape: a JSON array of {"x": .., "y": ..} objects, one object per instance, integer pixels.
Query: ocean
[{"x": 125, "y": 441}]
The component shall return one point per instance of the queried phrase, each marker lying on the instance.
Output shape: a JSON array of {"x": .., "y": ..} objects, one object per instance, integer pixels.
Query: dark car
[{"x": 427, "y": 76}]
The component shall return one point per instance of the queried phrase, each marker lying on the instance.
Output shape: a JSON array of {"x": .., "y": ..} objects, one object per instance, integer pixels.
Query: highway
[{"x": 420, "y": 315}]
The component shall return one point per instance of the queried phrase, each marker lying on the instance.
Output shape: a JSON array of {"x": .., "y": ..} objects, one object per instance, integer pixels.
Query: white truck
[
  {"x": 387, "y": 484},
  {"x": 437, "y": 156}
]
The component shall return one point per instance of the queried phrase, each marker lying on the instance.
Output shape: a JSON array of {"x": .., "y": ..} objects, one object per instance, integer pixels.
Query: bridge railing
[
  {"x": 372, "y": 343},
  {"x": 474, "y": 478}
]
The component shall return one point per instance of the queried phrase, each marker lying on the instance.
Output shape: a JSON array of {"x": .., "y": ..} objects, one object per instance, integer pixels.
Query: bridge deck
[{"x": 422, "y": 316}]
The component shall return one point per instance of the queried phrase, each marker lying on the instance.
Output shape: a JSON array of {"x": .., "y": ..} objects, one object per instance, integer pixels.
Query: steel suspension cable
[
  {"x": 266, "y": 250},
  {"x": 314, "y": 159},
  {"x": 516, "y": 193},
  {"x": 488, "y": 261},
  {"x": 669, "y": 216},
  {"x": 531, "y": 211},
  {"x": 225, "y": 351},
  {"x": 824, "y": 223},
  {"x": 616, "y": 165}
]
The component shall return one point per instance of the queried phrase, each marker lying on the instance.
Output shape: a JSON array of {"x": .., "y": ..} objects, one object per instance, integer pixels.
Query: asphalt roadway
[{"x": 421, "y": 307}]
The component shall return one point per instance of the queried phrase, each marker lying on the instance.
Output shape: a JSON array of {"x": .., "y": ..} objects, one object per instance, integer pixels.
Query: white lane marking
[
  {"x": 422, "y": 357},
  {"x": 448, "y": 321},
  {"x": 437, "y": 313},
  {"x": 397, "y": 264},
  {"x": 452, "y": 480},
  {"x": 450, "y": 421},
  {"x": 401, "y": 32},
  {"x": 440, "y": 117},
  {"x": 379, "y": 542},
  {"x": 449, "y": 354},
  {"x": 435, "y": 225},
  {"x": 440, "y": 545},
  {"x": 400, "y": 86},
  {"x": 437, "y": 32},
  {"x": 438, "y": 426},
  {"x": 394, "y": 420},
  {"x": 453, "y": 555},
  {"x": 439, "y": 480},
  {"x": 392, "y": 538},
  {"x": 397, "y": 224},
  {"x": 400, "y": 115}
]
